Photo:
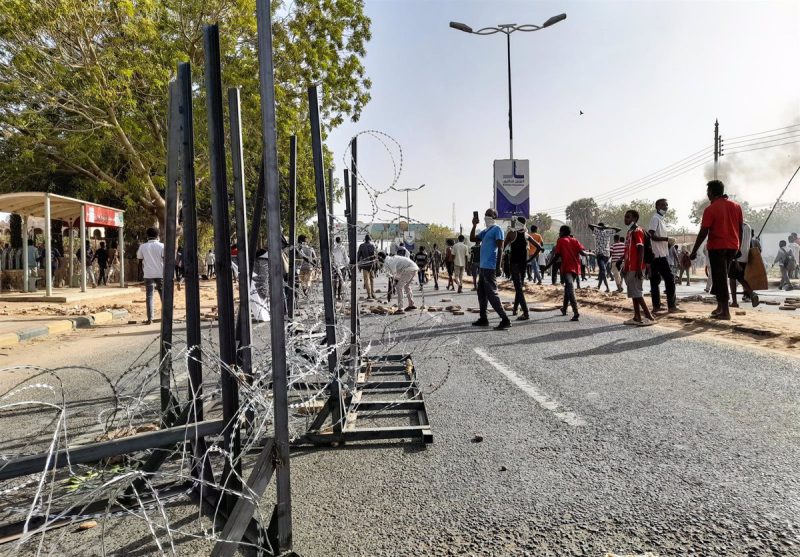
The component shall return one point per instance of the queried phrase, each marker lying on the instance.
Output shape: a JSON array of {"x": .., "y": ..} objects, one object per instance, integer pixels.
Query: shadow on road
[{"x": 620, "y": 345}]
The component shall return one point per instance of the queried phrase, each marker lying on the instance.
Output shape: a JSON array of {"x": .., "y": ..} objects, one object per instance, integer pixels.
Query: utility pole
[
  {"x": 716, "y": 147},
  {"x": 399, "y": 216}
]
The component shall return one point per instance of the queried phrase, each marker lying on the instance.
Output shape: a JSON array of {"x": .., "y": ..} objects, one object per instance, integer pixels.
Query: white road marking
[{"x": 569, "y": 418}]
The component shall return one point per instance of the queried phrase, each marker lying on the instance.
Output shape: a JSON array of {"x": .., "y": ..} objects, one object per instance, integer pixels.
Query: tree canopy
[
  {"x": 84, "y": 83},
  {"x": 785, "y": 218},
  {"x": 614, "y": 215}
]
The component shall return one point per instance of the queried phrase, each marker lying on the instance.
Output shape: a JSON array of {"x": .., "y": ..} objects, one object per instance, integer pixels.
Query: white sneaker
[{"x": 646, "y": 322}]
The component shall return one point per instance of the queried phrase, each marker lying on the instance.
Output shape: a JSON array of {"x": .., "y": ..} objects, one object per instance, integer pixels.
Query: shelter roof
[{"x": 32, "y": 204}]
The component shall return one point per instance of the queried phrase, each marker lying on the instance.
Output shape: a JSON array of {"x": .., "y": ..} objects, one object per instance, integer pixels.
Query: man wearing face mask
[
  {"x": 491, "y": 239},
  {"x": 660, "y": 268}
]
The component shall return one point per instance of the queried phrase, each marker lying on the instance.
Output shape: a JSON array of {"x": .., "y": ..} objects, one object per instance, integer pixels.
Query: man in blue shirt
[{"x": 491, "y": 239}]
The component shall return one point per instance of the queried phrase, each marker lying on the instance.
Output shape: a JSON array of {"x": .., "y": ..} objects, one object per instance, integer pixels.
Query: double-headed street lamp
[
  {"x": 508, "y": 28},
  {"x": 408, "y": 206}
]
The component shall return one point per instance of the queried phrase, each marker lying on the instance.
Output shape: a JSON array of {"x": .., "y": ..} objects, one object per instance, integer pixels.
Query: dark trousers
[
  {"x": 720, "y": 261},
  {"x": 602, "y": 270},
  {"x": 101, "y": 276},
  {"x": 569, "y": 292},
  {"x": 660, "y": 269},
  {"x": 487, "y": 293},
  {"x": 518, "y": 277},
  {"x": 554, "y": 272}
]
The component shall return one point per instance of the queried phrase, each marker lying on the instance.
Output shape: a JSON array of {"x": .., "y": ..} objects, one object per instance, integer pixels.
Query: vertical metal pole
[
  {"x": 292, "y": 298},
  {"x": 244, "y": 334},
  {"x": 258, "y": 215},
  {"x": 83, "y": 247},
  {"x": 283, "y": 510},
  {"x": 191, "y": 271},
  {"x": 48, "y": 249},
  {"x": 510, "y": 121},
  {"x": 71, "y": 251},
  {"x": 222, "y": 251},
  {"x": 170, "y": 245},
  {"x": 330, "y": 204},
  {"x": 120, "y": 250},
  {"x": 354, "y": 352},
  {"x": 25, "y": 262},
  {"x": 716, "y": 147},
  {"x": 325, "y": 256}
]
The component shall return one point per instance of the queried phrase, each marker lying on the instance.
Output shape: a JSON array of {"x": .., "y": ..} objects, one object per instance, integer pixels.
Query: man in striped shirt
[{"x": 617, "y": 257}]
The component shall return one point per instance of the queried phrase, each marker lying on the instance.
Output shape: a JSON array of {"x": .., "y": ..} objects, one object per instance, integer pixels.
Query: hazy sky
[{"x": 651, "y": 77}]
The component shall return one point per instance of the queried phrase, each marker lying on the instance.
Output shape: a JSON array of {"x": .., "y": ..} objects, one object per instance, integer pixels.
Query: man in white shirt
[
  {"x": 151, "y": 254},
  {"x": 460, "y": 251},
  {"x": 341, "y": 262},
  {"x": 794, "y": 247},
  {"x": 659, "y": 268},
  {"x": 403, "y": 271},
  {"x": 738, "y": 266}
]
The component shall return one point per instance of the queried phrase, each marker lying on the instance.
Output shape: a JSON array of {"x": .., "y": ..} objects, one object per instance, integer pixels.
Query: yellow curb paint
[
  {"x": 103, "y": 317},
  {"x": 57, "y": 327},
  {"x": 8, "y": 339}
]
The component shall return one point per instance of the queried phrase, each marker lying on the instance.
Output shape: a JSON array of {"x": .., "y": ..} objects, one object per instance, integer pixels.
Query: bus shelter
[{"x": 74, "y": 211}]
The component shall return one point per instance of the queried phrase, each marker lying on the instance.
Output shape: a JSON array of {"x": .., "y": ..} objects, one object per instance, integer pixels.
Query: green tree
[
  {"x": 543, "y": 220},
  {"x": 580, "y": 213},
  {"x": 83, "y": 89},
  {"x": 614, "y": 214},
  {"x": 434, "y": 234}
]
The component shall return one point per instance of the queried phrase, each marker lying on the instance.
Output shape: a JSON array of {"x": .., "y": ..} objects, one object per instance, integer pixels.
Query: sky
[{"x": 651, "y": 78}]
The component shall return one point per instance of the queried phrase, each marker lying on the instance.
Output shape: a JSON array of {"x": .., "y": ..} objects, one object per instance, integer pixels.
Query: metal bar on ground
[
  {"x": 243, "y": 327},
  {"x": 94, "y": 452},
  {"x": 170, "y": 245},
  {"x": 190, "y": 264},
  {"x": 222, "y": 262},
  {"x": 325, "y": 257},
  {"x": 237, "y": 521},
  {"x": 266, "y": 75},
  {"x": 291, "y": 299}
]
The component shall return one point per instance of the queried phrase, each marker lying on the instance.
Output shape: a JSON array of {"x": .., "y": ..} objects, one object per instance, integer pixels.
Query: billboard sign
[
  {"x": 102, "y": 216},
  {"x": 511, "y": 188}
]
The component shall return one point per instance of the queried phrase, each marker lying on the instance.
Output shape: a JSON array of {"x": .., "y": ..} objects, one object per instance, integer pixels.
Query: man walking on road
[
  {"x": 402, "y": 270},
  {"x": 421, "y": 259},
  {"x": 151, "y": 254},
  {"x": 722, "y": 225},
  {"x": 533, "y": 255},
  {"x": 660, "y": 268},
  {"x": 617, "y": 258},
  {"x": 341, "y": 262},
  {"x": 567, "y": 253},
  {"x": 460, "y": 251},
  {"x": 602, "y": 239},
  {"x": 365, "y": 259},
  {"x": 634, "y": 270},
  {"x": 518, "y": 241},
  {"x": 737, "y": 269},
  {"x": 475, "y": 263},
  {"x": 491, "y": 239},
  {"x": 436, "y": 265}
]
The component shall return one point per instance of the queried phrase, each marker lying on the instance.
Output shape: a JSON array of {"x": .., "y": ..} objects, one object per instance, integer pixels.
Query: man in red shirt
[
  {"x": 722, "y": 225},
  {"x": 633, "y": 267},
  {"x": 568, "y": 251}
]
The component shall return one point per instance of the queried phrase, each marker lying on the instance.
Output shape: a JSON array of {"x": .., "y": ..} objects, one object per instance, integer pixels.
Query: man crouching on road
[
  {"x": 491, "y": 239},
  {"x": 402, "y": 270}
]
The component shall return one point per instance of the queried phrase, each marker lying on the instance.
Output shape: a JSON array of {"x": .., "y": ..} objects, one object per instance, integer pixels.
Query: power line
[
  {"x": 776, "y": 136},
  {"x": 766, "y": 131},
  {"x": 764, "y": 147}
]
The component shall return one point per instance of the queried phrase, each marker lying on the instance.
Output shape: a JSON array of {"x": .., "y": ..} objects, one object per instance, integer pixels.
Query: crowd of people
[{"x": 731, "y": 254}]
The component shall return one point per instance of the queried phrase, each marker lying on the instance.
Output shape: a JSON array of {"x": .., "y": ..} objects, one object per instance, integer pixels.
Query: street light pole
[
  {"x": 408, "y": 206},
  {"x": 510, "y": 120},
  {"x": 508, "y": 28}
]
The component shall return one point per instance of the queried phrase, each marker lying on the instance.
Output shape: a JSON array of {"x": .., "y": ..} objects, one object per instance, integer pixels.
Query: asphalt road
[{"x": 597, "y": 438}]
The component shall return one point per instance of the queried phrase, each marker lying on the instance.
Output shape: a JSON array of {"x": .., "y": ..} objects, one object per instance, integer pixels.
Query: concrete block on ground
[
  {"x": 61, "y": 326},
  {"x": 119, "y": 313},
  {"x": 8, "y": 339},
  {"x": 27, "y": 334},
  {"x": 83, "y": 322},
  {"x": 102, "y": 317}
]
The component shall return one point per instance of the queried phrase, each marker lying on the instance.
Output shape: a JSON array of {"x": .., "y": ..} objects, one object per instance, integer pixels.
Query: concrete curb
[{"x": 62, "y": 326}]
